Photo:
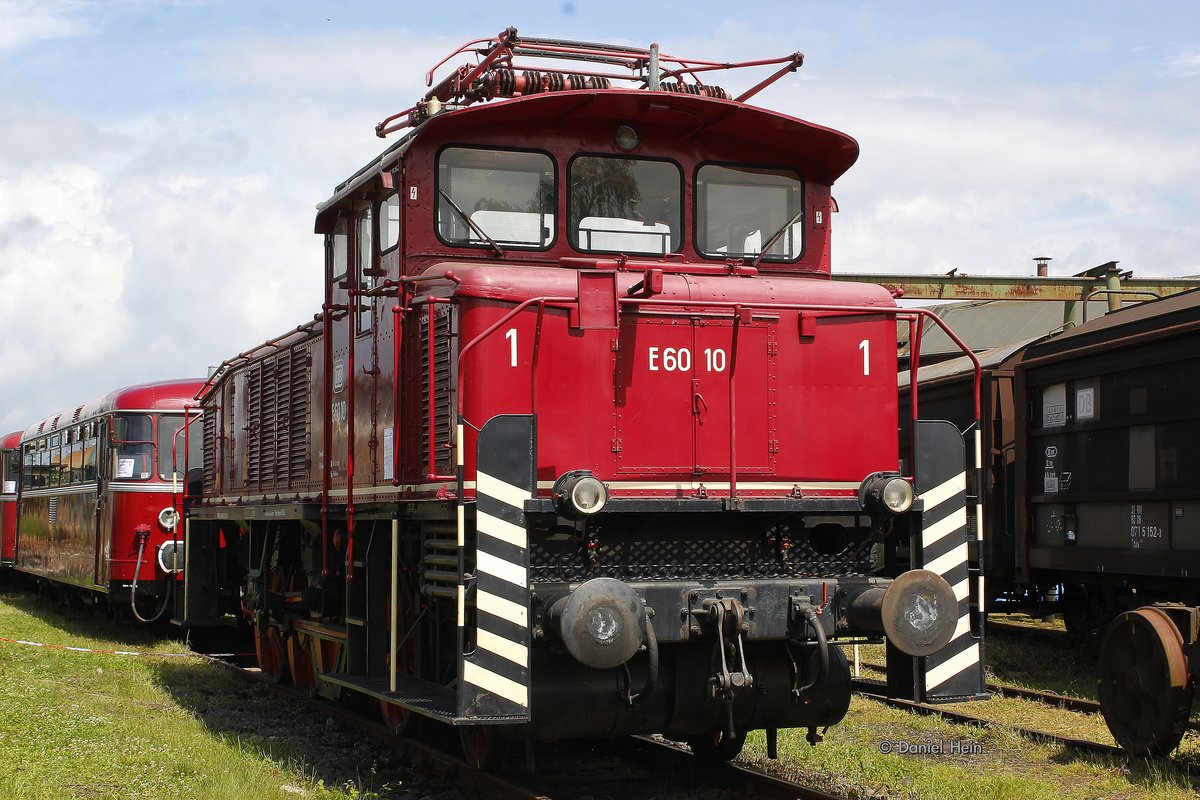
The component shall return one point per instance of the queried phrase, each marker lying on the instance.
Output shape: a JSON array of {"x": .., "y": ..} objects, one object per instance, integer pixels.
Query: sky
[{"x": 161, "y": 160}]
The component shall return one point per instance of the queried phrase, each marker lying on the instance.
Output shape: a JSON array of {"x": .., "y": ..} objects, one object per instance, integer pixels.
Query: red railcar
[
  {"x": 584, "y": 440},
  {"x": 10, "y": 477},
  {"x": 101, "y": 494}
]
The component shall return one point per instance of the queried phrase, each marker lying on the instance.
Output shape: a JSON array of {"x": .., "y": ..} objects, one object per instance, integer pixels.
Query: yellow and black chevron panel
[
  {"x": 955, "y": 672},
  {"x": 495, "y": 674}
]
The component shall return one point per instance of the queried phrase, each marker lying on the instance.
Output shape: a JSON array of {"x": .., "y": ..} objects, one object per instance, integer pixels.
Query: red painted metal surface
[{"x": 10, "y": 477}]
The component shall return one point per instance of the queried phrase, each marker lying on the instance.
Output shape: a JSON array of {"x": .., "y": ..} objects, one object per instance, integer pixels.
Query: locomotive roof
[
  {"x": 1144, "y": 318},
  {"x": 170, "y": 395},
  {"x": 495, "y": 92}
]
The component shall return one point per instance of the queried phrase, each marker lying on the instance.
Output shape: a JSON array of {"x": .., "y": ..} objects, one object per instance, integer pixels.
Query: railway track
[
  {"x": 1062, "y": 701},
  {"x": 875, "y": 691},
  {"x": 630, "y": 767}
]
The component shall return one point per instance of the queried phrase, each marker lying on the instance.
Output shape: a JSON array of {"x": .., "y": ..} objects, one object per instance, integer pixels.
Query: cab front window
[
  {"x": 133, "y": 453},
  {"x": 745, "y": 212},
  {"x": 625, "y": 205},
  {"x": 495, "y": 197}
]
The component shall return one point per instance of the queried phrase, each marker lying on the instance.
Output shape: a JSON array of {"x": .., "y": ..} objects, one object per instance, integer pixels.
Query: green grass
[
  {"x": 90, "y": 725},
  {"x": 1009, "y": 766}
]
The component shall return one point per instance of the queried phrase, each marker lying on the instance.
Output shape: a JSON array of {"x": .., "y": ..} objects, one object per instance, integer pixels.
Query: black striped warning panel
[
  {"x": 495, "y": 674},
  {"x": 954, "y": 671}
]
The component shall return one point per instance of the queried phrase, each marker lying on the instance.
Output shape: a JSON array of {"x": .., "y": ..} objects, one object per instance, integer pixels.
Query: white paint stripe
[
  {"x": 955, "y": 521},
  {"x": 689, "y": 486},
  {"x": 944, "y": 491},
  {"x": 505, "y": 609},
  {"x": 962, "y": 589},
  {"x": 496, "y": 684},
  {"x": 978, "y": 448},
  {"x": 462, "y": 606},
  {"x": 962, "y": 628},
  {"x": 943, "y": 672},
  {"x": 501, "y": 529},
  {"x": 502, "y": 491},
  {"x": 462, "y": 525},
  {"x": 488, "y": 564},
  {"x": 502, "y": 647},
  {"x": 944, "y": 564}
]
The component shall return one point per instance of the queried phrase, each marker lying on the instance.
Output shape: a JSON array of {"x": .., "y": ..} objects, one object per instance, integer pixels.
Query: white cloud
[{"x": 25, "y": 22}]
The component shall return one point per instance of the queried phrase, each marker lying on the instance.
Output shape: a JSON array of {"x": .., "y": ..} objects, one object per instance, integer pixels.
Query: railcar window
[
  {"x": 167, "y": 428},
  {"x": 90, "y": 446},
  {"x": 340, "y": 249},
  {"x": 389, "y": 222},
  {"x": 625, "y": 205},
  {"x": 56, "y": 460},
  {"x": 366, "y": 261},
  {"x": 507, "y": 195},
  {"x": 132, "y": 458},
  {"x": 739, "y": 209},
  {"x": 76, "y": 456},
  {"x": 43, "y": 465},
  {"x": 12, "y": 468}
]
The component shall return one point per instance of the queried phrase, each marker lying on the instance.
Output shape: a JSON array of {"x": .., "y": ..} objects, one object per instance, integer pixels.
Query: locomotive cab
[{"x": 584, "y": 441}]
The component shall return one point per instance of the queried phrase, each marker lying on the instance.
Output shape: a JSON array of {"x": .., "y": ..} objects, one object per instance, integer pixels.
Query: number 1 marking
[
  {"x": 865, "y": 346},
  {"x": 511, "y": 335}
]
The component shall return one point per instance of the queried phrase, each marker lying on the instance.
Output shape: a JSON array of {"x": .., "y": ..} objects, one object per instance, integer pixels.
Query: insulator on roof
[
  {"x": 705, "y": 90},
  {"x": 504, "y": 82}
]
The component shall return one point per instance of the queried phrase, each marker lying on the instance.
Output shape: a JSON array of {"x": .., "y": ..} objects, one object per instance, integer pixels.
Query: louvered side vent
[
  {"x": 445, "y": 363},
  {"x": 297, "y": 441},
  {"x": 252, "y": 430},
  {"x": 267, "y": 421},
  {"x": 209, "y": 421}
]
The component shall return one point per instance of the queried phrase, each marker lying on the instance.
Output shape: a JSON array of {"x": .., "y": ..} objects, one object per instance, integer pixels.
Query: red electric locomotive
[
  {"x": 102, "y": 488},
  {"x": 584, "y": 441},
  {"x": 10, "y": 478}
]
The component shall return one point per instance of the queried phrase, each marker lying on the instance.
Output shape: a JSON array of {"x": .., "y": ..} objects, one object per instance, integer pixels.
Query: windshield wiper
[
  {"x": 470, "y": 224},
  {"x": 775, "y": 238}
]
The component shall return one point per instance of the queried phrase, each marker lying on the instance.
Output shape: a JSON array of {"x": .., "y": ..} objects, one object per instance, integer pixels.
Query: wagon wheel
[
  {"x": 717, "y": 746},
  {"x": 485, "y": 747},
  {"x": 1145, "y": 691},
  {"x": 272, "y": 660}
]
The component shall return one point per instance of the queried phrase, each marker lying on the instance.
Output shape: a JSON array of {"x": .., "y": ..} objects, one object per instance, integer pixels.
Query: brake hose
[
  {"x": 133, "y": 589},
  {"x": 810, "y": 617}
]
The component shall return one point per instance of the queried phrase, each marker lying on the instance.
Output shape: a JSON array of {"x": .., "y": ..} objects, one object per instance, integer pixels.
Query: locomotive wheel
[
  {"x": 300, "y": 662},
  {"x": 485, "y": 747},
  {"x": 1145, "y": 691},
  {"x": 272, "y": 660},
  {"x": 717, "y": 746}
]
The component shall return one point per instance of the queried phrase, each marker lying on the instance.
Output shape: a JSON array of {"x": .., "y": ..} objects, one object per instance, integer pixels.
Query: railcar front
[
  {"x": 10, "y": 477},
  {"x": 102, "y": 486},
  {"x": 584, "y": 441}
]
